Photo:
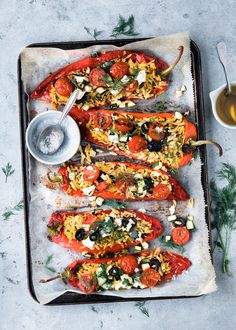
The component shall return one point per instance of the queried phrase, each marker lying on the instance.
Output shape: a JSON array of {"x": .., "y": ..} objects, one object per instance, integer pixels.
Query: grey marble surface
[{"x": 24, "y": 22}]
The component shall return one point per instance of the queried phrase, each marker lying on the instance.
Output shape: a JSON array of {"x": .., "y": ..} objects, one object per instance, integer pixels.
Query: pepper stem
[
  {"x": 50, "y": 279},
  {"x": 204, "y": 142},
  {"x": 171, "y": 67}
]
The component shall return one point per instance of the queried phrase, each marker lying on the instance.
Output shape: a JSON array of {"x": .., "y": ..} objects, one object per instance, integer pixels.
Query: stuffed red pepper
[
  {"x": 109, "y": 78},
  {"x": 102, "y": 231},
  {"x": 144, "y": 270},
  {"x": 118, "y": 180}
]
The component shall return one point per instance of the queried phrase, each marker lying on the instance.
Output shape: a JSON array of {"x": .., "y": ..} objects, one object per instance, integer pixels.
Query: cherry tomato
[
  {"x": 87, "y": 283},
  {"x": 90, "y": 218},
  {"x": 180, "y": 235},
  {"x": 122, "y": 183},
  {"x": 159, "y": 89},
  {"x": 137, "y": 144},
  {"x": 102, "y": 120},
  {"x": 123, "y": 124},
  {"x": 100, "y": 186},
  {"x": 161, "y": 191},
  {"x": 95, "y": 77},
  {"x": 131, "y": 86},
  {"x": 156, "y": 132},
  {"x": 118, "y": 70},
  {"x": 128, "y": 264},
  {"x": 150, "y": 277},
  {"x": 91, "y": 173},
  {"x": 63, "y": 86}
]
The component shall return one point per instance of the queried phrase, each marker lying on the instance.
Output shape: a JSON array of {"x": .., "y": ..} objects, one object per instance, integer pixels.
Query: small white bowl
[
  {"x": 69, "y": 146},
  {"x": 214, "y": 96}
]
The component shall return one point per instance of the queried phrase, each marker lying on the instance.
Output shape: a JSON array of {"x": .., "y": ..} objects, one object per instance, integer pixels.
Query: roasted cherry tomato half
[
  {"x": 131, "y": 86},
  {"x": 100, "y": 186},
  {"x": 122, "y": 183},
  {"x": 63, "y": 86},
  {"x": 91, "y": 173},
  {"x": 123, "y": 124},
  {"x": 137, "y": 144},
  {"x": 156, "y": 132},
  {"x": 159, "y": 89},
  {"x": 87, "y": 283},
  {"x": 128, "y": 264},
  {"x": 150, "y": 277},
  {"x": 95, "y": 77},
  {"x": 180, "y": 235},
  {"x": 118, "y": 70},
  {"x": 161, "y": 191},
  {"x": 102, "y": 120}
]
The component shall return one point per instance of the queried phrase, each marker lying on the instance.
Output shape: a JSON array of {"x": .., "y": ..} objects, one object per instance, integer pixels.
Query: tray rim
[{"x": 67, "y": 298}]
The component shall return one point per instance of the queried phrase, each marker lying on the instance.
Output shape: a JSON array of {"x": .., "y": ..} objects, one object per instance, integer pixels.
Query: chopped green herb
[
  {"x": 124, "y": 27},
  {"x": 8, "y": 170},
  {"x": 10, "y": 211},
  {"x": 106, "y": 66},
  {"x": 224, "y": 211},
  {"x": 95, "y": 33},
  {"x": 115, "y": 204},
  {"x": 159, "y": 106},
  {"x": 142, "y": 308},
  {"x": 173, "y": 171}
]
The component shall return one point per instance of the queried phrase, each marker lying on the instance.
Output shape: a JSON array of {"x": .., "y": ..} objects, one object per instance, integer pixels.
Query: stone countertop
[{"x": 24, "y": 22}]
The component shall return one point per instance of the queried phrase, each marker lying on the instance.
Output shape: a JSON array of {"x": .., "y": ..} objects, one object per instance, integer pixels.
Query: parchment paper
[{"x": 37, "y": 63}]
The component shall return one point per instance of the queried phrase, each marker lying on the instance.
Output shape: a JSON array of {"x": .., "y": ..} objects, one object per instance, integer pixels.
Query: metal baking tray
[{"x": 76, "y": 298}]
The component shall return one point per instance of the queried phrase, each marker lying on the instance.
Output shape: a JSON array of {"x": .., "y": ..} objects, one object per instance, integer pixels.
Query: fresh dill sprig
[
  {"x": 11, "y": 210},
  {"x": 224, "y": 211},
  {"x": 124, "y": 27},
  {"x": 142, "y": 308},
  {"x": 47, "y": 264},
  {"x": 8, "y": 170},
  {"x": 93, "y": 34}
]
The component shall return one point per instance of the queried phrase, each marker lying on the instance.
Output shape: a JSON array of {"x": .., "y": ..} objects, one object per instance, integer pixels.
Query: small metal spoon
[
  {"x": 230, "y": 100},
  {"x": 52, "y": 137}
]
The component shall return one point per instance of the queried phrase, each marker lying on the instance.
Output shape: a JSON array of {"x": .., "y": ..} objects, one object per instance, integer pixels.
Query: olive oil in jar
[{"x": 226, "y": 106}]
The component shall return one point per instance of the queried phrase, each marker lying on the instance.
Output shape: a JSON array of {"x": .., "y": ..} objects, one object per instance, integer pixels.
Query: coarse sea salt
[{"x": 51, "y": 143}]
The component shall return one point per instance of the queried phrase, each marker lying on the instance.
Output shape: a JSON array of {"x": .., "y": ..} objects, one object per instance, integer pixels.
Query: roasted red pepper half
[
  {"x": 103, "y": 77},
  {"x": 142, "y": 270},
  {"x": 119, "y": 180},
  {"x": 102, "y": 231},
  {"x": 165, "y": 137}
]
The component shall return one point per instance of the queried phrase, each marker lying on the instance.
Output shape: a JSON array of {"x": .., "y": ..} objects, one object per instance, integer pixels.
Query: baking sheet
[{"x": 200, "y": 279}]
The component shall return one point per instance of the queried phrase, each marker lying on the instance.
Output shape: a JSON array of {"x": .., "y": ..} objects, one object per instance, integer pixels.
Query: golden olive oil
[{"x": 226, "y": 106}]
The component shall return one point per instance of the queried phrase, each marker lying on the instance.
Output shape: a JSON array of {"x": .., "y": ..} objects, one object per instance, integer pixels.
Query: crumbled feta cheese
[
  {"x": 130, "y": 104},
  {"x": 88, "y": 89},
  {"x": 145, "y": 266},
  {"x": 167, "y": 238},
  {"x": 178, "y": 94},
  {"x": 138, "y": 248},
  {"x": 171, "y": 217},
  {"x": 71, "y": 176},
  {"x": 114, "y": 138},
  {"x": 80, "y": 94},
  {"x": 141, "y": 77},
  {"x": 99, "y": 201},
  {"x": 178, "y": 115},
  {"x": 79, "y": 79},
  {"x": 138, "y": 176},
  {"x": 190, "y": 217},
  {"x": 172, "y": 209},
  {"x": 118, "y": 221},
  {"x": 115, "y": 91},
  {"x": 145, "y": 245},
  {"x": 104, "y": 177},
  {"x": 100, "y": 90},
  {"x": 125, "y": 79},
  {"x": 88, "y": 243},
  {"x": 91, "y": 198},
  {"x": 89, "y": 190}
]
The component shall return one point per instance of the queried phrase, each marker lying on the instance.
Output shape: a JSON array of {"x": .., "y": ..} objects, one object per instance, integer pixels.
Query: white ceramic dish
[
  {"x": 69, "y": 146},
  {"x": 213, "y": 96}
]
